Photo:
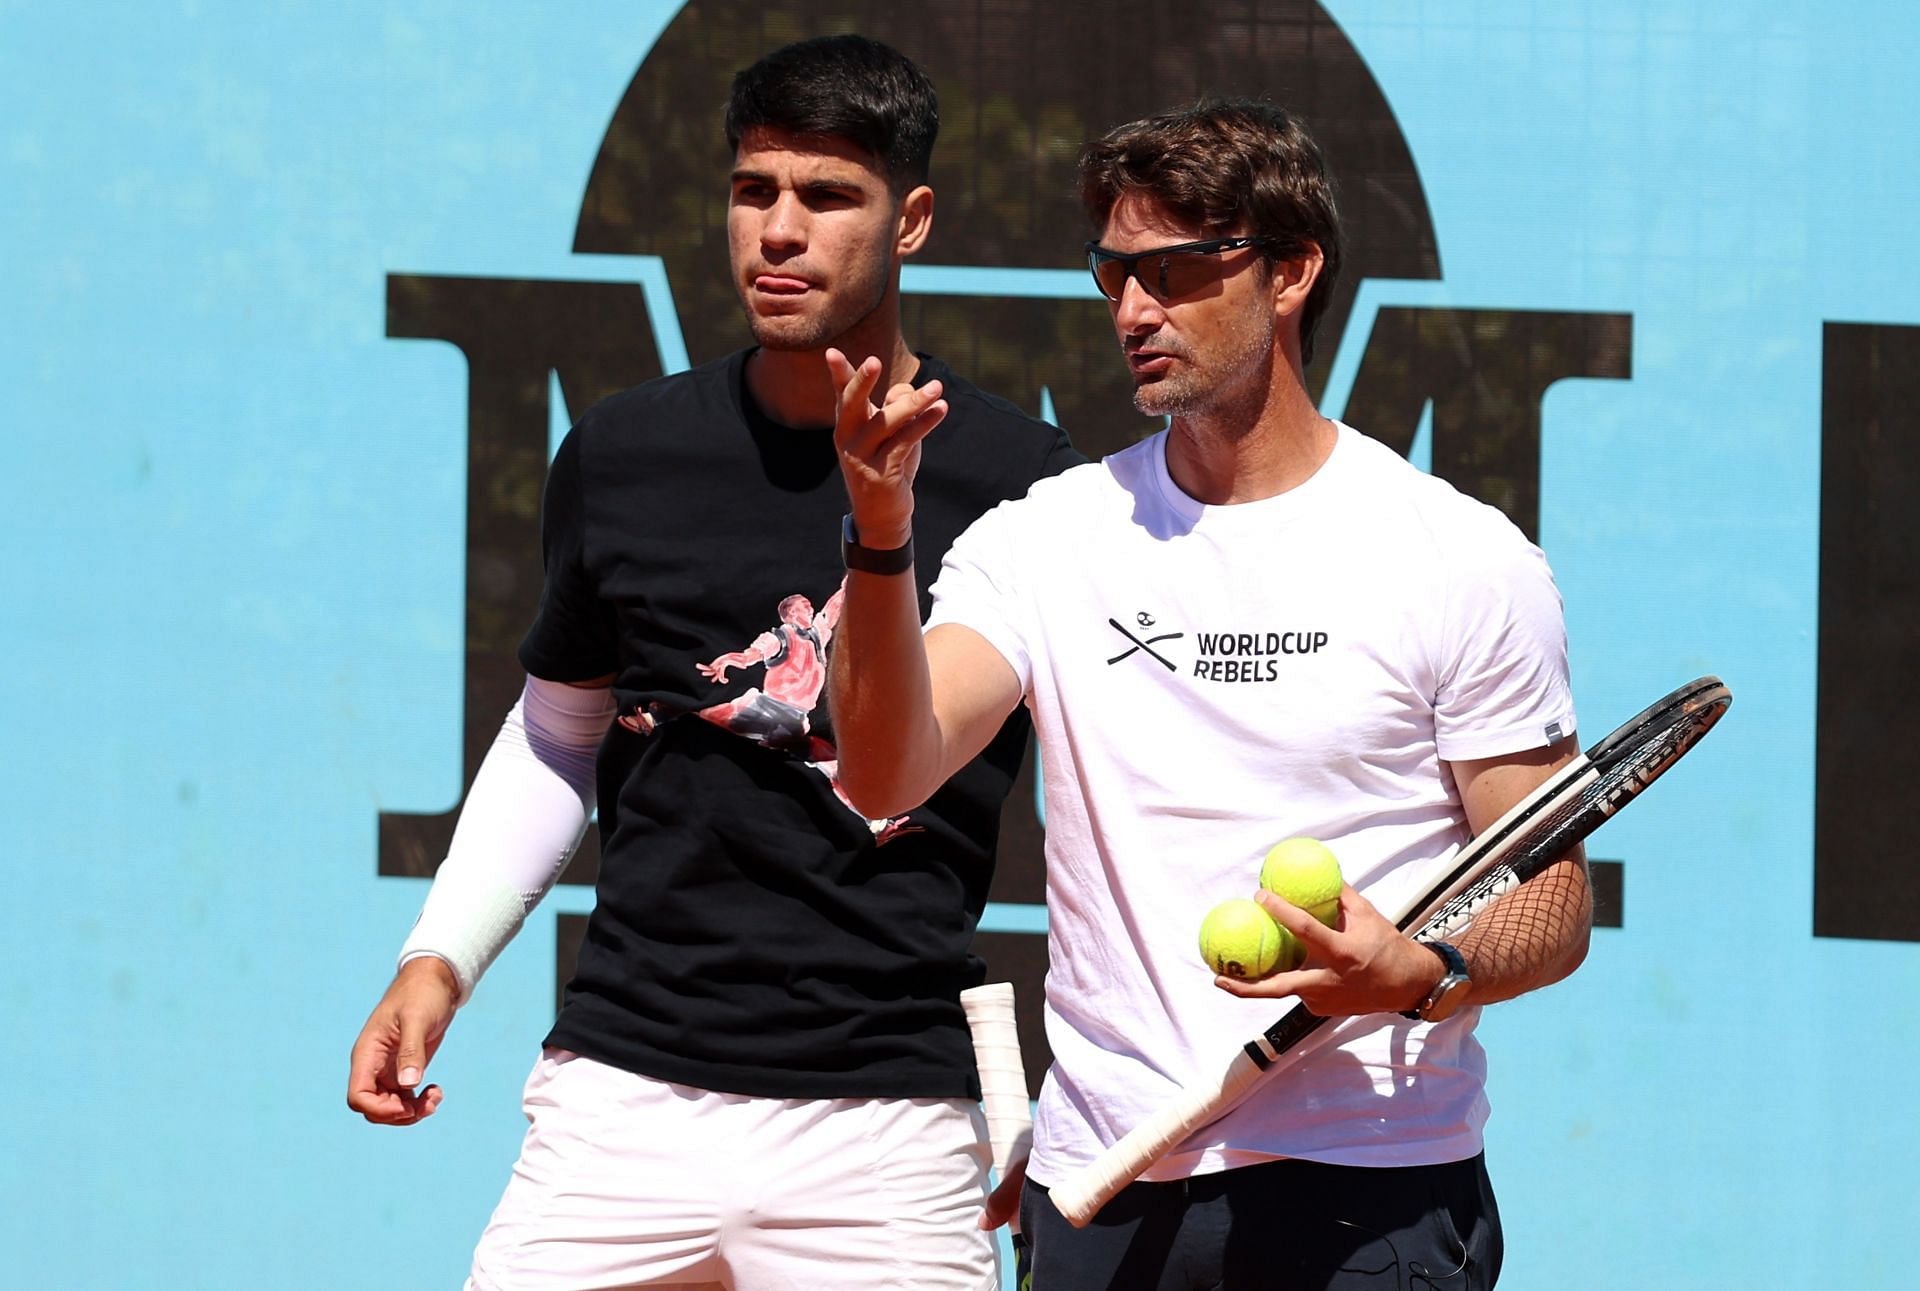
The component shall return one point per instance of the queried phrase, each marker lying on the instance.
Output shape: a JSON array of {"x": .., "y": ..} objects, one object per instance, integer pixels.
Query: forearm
[
  {"x": 524, "y": 815},
  {"x": 907, "y": 710},
  {"x": 1532, "y": 936},
  {"x": 892, "y": 754}
]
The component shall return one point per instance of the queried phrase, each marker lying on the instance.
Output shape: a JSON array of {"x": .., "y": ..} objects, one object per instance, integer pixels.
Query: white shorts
[{"x": 626, "y": 1181}]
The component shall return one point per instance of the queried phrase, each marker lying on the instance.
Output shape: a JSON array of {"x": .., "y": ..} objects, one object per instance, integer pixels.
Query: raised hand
[{"x": 880, "y": 446}]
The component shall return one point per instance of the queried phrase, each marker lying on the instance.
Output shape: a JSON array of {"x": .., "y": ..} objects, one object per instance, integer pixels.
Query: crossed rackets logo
[{"x": 1146, "y": 621}]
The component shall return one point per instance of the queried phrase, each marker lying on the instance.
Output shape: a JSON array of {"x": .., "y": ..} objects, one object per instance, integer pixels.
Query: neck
[
  {"x": 1262, "y": 448},
  {"x": 793, "y": 388}
]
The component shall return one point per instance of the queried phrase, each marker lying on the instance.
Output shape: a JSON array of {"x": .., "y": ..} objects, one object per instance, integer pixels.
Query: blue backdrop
[{"x": 232, "y": 555}]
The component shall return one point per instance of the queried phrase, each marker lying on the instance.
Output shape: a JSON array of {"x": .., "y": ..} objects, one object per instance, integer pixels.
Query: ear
[
  {"x": 915, "y": 221},
  {"x": 1293, "y": 280}
]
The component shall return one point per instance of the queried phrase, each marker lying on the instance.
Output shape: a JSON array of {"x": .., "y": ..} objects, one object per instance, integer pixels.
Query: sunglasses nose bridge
[{"x": 1138, "y": 307}]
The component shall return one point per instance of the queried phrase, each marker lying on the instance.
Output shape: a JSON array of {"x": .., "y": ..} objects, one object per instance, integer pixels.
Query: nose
[
  {"x": 1136, "y": 312},
  {"x": 786, "y": 225}
]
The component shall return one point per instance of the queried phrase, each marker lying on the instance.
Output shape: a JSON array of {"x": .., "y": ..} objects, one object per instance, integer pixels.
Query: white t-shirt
[{"x": 1207, "y": 680}]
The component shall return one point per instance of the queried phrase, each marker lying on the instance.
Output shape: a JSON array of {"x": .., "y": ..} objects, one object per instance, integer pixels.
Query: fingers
[
  {"x": 853, "y": 390},
  {"x": 420, "y": 1026},
  {"x": 909, "y": 414},
  {"x": 373, "y": 1086},
  {"x": 860, "y": 428},
  {"x": 391, "y": 1054},
  {"x": 840, "y": 370},
  {"x": 410, "y": 1059},
  {"x": 377, "y": 1087},
  {"x": 398, "y": 1106},
  {"x": 1366, "y": 965},
  {"x": 1004, "y": 1202},
  {"x": 1314, "y": 936},
  {"x": 1278, "y": 985},
  {"x": 1318, "y": 941},
  {"x": 421, "y": 1105}
]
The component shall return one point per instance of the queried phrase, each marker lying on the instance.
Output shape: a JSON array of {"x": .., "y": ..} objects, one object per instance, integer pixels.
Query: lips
[
  {"x": 1148, "y": 362},
  {"x": 780, "y": 284}
]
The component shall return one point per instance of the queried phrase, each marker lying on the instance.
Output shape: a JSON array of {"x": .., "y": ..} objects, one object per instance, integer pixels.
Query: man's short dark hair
[
  {"x": 843, "y": 87},
  {"x": 1225, "y": 165}
]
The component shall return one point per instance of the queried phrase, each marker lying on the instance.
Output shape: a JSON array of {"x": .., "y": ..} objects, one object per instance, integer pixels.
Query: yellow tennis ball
[
  {"x": 1239, "y": 939},
  {"x": 1305, "y": 873}
]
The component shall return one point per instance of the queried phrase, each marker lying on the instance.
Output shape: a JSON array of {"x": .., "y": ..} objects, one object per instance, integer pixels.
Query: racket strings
[
  {"x": 1529, "y": 929},
  {"x": 1656, "y": 747}
]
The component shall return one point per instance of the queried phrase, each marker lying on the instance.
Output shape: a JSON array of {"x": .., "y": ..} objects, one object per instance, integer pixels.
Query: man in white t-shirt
[{"x": 1256, "y": 624}]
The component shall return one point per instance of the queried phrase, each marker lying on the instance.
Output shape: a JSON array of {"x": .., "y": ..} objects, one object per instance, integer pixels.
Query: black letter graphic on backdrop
[
  {"x": 1865, "y": 758},
  {"x": 1485, "y": 371},
  {"x": 515, "y": 334}
]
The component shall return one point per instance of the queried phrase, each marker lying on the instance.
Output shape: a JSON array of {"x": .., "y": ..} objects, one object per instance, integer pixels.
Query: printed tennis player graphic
[{"x": 777, "y": 713}]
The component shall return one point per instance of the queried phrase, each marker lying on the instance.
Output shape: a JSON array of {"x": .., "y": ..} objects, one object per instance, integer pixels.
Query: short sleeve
[
  {"x": 978, "y": 588},
  {"x": 1061, "y": 456},
  {"x": 1504, "y": 686},
  {"x": 573, "y": 637}
]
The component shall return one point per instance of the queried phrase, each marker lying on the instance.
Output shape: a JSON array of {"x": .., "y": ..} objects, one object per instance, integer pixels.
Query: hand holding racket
[{"x": 1535, "y": 833}]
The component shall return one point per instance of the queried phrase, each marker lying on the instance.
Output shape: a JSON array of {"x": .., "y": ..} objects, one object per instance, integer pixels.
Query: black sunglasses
[{"x": 1166, "y": 272}]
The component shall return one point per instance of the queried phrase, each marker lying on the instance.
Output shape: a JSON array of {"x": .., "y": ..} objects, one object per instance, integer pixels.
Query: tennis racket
[{"x": 1539, "y": 830}]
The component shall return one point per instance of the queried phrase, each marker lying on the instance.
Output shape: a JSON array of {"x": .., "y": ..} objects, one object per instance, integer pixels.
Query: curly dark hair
[{"x": 1227, "y": 166}]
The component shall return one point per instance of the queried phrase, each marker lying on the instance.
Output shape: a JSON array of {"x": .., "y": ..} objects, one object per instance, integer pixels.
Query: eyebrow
[{"x": 851, "y": 184}]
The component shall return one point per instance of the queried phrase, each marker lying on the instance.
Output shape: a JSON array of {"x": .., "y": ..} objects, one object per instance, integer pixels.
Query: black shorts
[{"x": 1277, "y": 1226}]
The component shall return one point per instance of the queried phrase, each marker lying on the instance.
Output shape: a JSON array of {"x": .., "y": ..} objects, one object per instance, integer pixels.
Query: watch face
[{"x": 1447, "y": 998}]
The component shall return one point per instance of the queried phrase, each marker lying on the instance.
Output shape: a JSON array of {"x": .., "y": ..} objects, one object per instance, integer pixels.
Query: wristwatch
[
  {"x": 894, "y": 560},
  {"x": 1450, "y": 992}
]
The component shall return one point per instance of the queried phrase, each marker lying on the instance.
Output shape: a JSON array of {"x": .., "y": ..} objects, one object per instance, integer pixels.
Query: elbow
[
  {"x": 1576, "y": 951},
  {"x": 877, "y": 765},
  {"x": 873, "y": 793},
  {"x": 1573, "y": 949}
]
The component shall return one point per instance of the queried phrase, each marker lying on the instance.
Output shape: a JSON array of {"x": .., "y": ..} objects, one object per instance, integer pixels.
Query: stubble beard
[
  {"x": 796, "y": 333},
  {"x": 1245, "y": 352}
]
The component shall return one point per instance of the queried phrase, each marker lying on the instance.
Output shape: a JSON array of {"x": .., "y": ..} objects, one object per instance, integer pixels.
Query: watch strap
[
  {"x": 1456, "y": 971},
  {"x": 869, "y": 560}
]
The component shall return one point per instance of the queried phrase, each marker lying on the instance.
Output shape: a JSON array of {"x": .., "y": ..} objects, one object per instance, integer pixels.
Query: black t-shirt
[{"x": 752, "y": 933}]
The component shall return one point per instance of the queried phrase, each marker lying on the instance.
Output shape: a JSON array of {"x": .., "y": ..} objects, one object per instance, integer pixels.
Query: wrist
[
  {"x": 427, "y": 964},
  {"x": 1447, "y": 989},
  {"x": 883, "y": 549},
  {"x": 882, "y": 535}
]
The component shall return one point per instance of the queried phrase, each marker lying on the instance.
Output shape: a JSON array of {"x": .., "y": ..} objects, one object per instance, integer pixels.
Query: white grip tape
[
  {"x": 1003, "y": 1077},
  {"x": 1092, "y": 1186}
]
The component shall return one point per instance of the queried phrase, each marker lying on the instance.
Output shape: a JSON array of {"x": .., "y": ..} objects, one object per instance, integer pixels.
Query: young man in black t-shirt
[{"x": 761, "y": 1075}]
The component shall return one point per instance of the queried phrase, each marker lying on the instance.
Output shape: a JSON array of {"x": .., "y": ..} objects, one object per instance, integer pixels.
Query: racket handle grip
[
  {"x": 1081, "y": 1195},
  {"x": 1003, "y": 1076}
]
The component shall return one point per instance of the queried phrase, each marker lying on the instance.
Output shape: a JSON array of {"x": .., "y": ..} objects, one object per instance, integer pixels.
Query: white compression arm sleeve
[{"x": 524, "y": 816}]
